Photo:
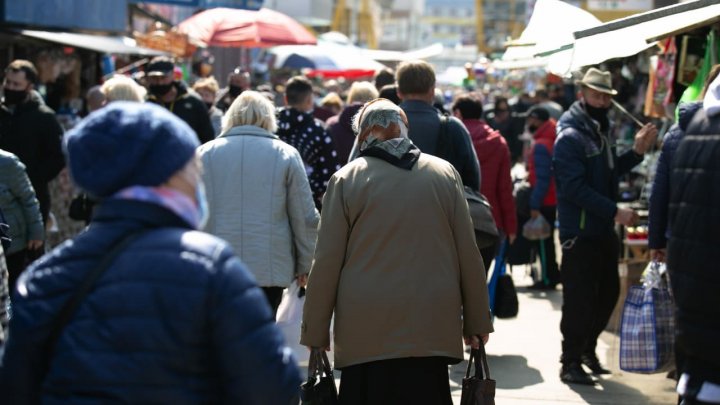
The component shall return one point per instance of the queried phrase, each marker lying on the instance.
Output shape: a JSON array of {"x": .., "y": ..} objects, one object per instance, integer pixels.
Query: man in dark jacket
[
  {"x": 658, "y": 230},
  {"x": 238, "y": 81},
  {"x": 175, "y": 317},
  {"x": 299, "y": 128},
  {"x": 543, "y": 199},
  {"x": 587, "y": 172},
  {"x": 30, "y": 130},
  {"x": 416, "y": 89},
  {"x": 174, "y": 95},
  {"x": 693, "y": 253}
]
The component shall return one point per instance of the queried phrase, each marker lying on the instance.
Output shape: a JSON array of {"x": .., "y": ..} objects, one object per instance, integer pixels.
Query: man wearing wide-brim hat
[{"x": 587, "y": 170}]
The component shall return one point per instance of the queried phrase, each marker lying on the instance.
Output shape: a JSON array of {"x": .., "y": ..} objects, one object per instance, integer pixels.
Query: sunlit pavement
[
  {"x": 524, "y": 355},
  {"x": 524, "y": 358}
]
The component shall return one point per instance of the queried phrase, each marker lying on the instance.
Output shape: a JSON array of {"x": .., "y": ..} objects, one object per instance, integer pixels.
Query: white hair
[
  {"x": 122, "y": 88},
  {"x": 362, "y": 92},
  {"x": 250, "y": 108}
]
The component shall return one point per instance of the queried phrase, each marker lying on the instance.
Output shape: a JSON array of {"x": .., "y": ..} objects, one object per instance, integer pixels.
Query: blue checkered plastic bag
[{"x": 647, "y": 331}]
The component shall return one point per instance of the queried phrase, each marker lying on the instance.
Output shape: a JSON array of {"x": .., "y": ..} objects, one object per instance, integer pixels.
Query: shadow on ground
[
  {"x": 514, "y": 373},
  {"x": 622, "y": 394}
]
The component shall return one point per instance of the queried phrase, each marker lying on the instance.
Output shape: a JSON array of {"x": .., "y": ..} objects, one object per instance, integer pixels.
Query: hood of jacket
[
  {"x": 546, "y": 131},
  {"x": 686, "y": 111},
  {"x": 482, "y": 133}
]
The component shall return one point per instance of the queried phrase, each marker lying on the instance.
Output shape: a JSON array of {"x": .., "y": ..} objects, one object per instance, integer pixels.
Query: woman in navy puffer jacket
[{"x": 175, "y": 318}]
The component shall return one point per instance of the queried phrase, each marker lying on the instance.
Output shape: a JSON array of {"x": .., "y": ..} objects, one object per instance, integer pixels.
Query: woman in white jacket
[{"x": 259, "y": 196}]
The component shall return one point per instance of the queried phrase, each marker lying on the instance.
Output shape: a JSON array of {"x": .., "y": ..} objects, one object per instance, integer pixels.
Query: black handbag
[
  {"x": 478, "y": 389},
  {"x": 319, "y": 389},
  {"x": 486, "y": 232},
  {"x": 506, "y": 300}
]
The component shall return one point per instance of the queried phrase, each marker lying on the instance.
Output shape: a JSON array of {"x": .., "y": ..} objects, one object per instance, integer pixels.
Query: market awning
[
  {"x": 629, "y": 36},
  {"x": 103, "y": 44}
]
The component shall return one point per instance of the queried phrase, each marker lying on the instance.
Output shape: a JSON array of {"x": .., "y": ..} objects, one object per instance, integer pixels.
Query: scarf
[
  {"x": 399, "y": 152},
  {"x": 175, "y": 201}
]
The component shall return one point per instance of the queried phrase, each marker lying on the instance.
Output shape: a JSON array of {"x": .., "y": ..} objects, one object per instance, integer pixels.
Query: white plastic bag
[
  {"x": 289, "y": 317},
  {"x": 291, "y": 306},
  {"x": 536, "y": 229}
]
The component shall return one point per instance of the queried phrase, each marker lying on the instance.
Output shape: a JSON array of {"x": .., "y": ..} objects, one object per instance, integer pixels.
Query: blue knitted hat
[{"x": 127, "y": 144}]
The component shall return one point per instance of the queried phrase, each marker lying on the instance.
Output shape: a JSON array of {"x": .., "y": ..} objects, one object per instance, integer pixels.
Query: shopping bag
[
  {"x": 501, "y": 289},
  {"x": 478, "y": 389},
  {"x": 647, "y": 329},
  {"x": 319, "y": 389},
  {"x": 486, "y": 232},
  {"x": 536, "y": 229},
  {"x": 289, "y": 319}
]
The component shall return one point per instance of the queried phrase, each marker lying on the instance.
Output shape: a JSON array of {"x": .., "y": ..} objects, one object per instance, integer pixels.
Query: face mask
[
  {"x": 235, "y": 91},
  {"x": 203, "y": 210},
  {"x": 159, "y": 90},
  {"x": 13, "y": 97},
  {"x": 532, "y": 128},
  {"x": 599, "y": 114}
]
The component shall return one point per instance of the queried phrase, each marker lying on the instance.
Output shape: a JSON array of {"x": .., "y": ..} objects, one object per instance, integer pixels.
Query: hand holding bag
[
  {"x": 478, "y": 389},
  {"x": 320, "y": 386}
]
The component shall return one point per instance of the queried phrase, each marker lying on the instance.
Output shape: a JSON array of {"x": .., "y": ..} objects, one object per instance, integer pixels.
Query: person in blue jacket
[
  {"x": 587, "y": 171},
  {"x": 176, "y": 318}
]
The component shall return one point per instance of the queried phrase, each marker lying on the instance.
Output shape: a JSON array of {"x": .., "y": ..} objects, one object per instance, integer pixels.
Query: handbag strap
[
  {"x": 478, "y": 355},
  {"x": 318, "y": 364},
  {"x": 443, "y": 148},
  {"x": 71, "y": 305}
]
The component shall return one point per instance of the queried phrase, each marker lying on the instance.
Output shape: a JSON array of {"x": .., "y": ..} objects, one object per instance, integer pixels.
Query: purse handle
[
  {"x": 318, "y": 364},
  {"x": 478, "y": 355}
]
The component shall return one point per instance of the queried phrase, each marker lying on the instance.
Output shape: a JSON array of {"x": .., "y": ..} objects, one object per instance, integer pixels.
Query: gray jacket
[
  {"x": 260, "y": 202},
  {"x": 18, "y": 203}
]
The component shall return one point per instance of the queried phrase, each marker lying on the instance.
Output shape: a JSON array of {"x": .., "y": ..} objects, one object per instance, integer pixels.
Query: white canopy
[
  {"x": 551, "y": 26},
  {"x": 630, "y": 35}
]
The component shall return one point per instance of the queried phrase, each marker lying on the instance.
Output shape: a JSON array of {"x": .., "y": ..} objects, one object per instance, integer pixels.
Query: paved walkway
[
  {"x": 524, "y": 358},
  {"x": 524, "y": 353}
]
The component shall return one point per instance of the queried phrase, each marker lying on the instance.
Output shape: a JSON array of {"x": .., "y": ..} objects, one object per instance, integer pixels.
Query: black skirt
[{"x": 412, "y": 380}]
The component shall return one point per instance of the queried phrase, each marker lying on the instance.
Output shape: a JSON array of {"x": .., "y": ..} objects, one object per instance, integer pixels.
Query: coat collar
[
  {"x": 136, "y": 214},
  {"x": 248, "y": 130}
]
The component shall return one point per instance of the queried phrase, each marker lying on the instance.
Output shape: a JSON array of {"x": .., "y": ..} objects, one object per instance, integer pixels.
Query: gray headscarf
[{"x": 382, "y": 113}]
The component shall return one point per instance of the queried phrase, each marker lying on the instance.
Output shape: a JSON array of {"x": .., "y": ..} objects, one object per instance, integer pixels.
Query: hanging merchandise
[
  {"x": 662, "y": 76},
  {"x": 693, "y": 92}
]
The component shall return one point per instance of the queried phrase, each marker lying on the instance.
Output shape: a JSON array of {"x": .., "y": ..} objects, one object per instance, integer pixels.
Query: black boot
[
  {"x": 592, "y": 362},
  {"x": 573, "y": 373}
]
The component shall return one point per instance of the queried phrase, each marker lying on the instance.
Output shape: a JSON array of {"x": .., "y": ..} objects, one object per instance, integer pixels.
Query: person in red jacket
[
  {"x": 543, "y": 200},
  {"x": 494, "y": 157}
]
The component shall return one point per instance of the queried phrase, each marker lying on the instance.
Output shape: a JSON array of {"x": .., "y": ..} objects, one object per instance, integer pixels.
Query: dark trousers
[
  {"x": 274, "y": 296},
  {"x": 551, "y": 265},
  {"x": 590, "y": 290},
  {"x": 413, "y": 380}
]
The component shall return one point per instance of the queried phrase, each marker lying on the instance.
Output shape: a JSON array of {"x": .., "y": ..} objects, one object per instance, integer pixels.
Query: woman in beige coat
[{"x": 397, "y": 264}]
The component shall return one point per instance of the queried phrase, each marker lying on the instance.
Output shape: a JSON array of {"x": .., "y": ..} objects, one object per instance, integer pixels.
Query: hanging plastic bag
[
  {"x": 289, "y": 317},
  {"x": 536, "y": 229}
]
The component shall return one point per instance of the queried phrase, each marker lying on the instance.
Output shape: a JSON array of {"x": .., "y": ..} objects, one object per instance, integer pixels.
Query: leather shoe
[
  {"x": 573, "y": 373},
  {"x": 594, "y": 365}
]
